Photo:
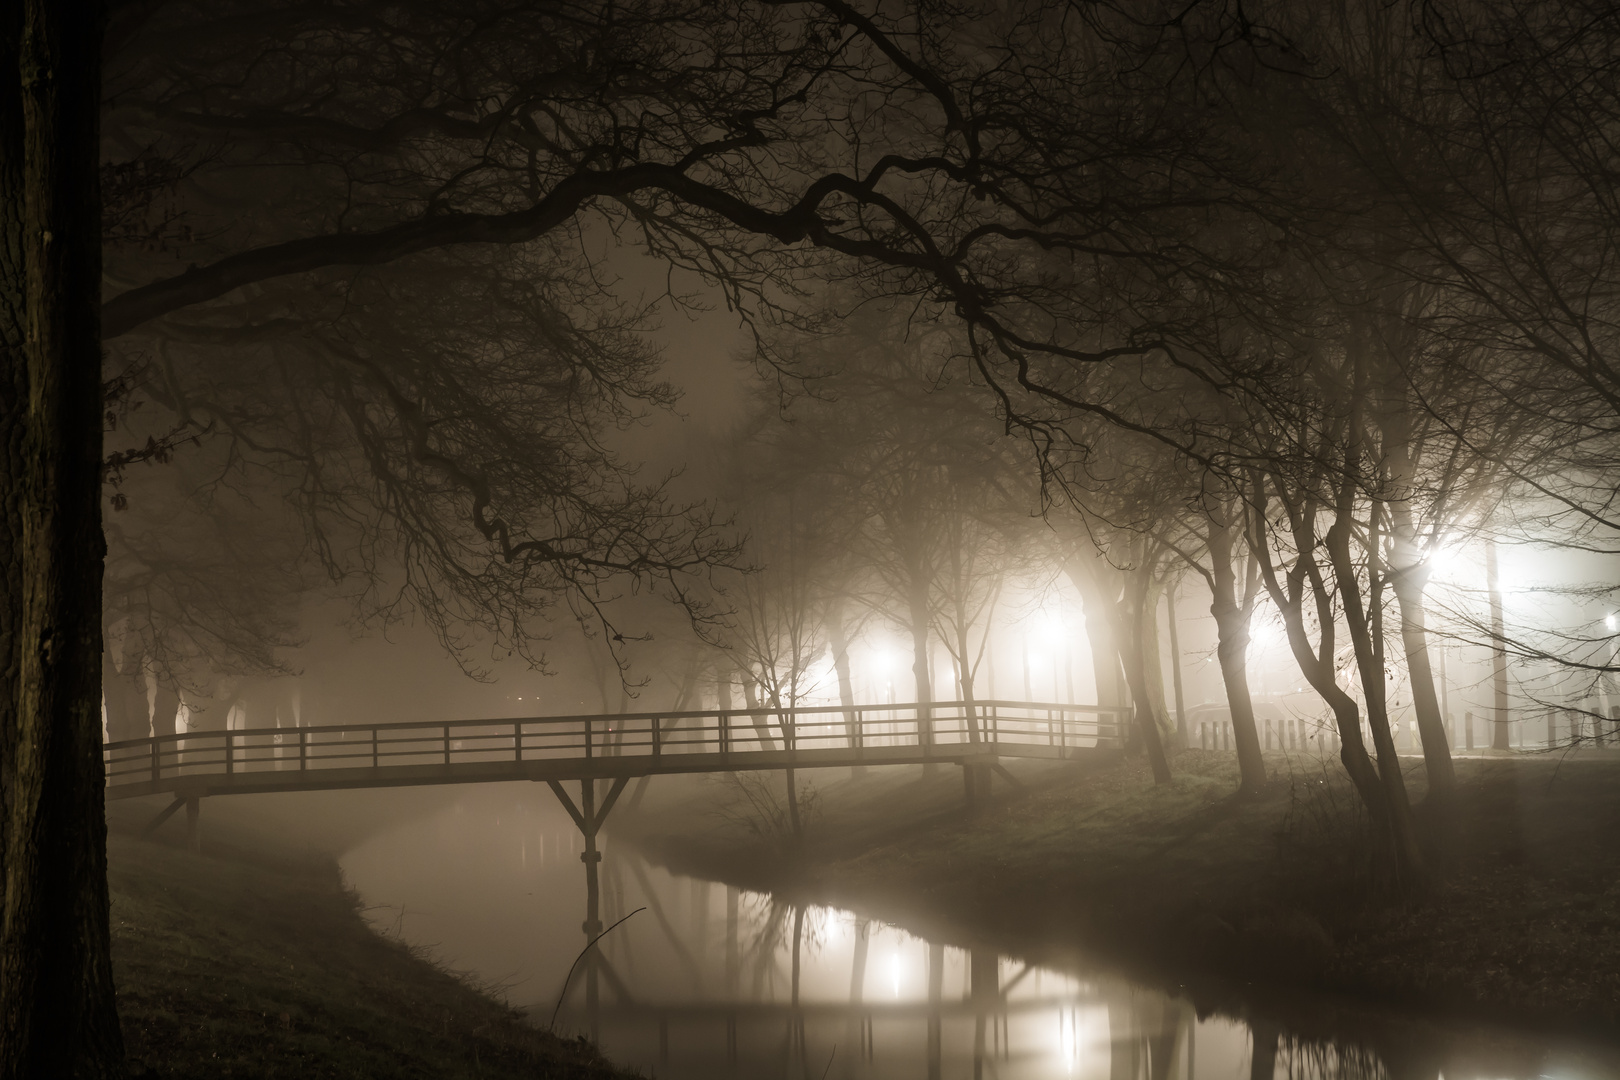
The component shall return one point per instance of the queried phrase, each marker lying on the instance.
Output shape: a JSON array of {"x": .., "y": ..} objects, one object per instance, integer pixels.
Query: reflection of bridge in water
[
  {"x": 777, "y": 1005},
  {"x": 602, "y": 753}
]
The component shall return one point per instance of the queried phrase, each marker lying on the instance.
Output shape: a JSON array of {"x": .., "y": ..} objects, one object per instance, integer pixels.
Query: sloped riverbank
[
  {"x": 255, "y": 962},
  {"x": 1251, "y": 901}
]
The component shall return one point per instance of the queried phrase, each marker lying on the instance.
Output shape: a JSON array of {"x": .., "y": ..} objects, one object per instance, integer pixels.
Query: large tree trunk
[
  {"x": 919, "y": 612},
  {"x": 1409, "y": 585},
  {"x": 165, "y": 708},
  {"x": 756, "y": 713},
  {"x": 13, "y": 396},
  {"x": 1364, "y": 621},
  {"x": 1137, "y": 631},
  {"x": 1175, "y": 667},
  {"x": 1409, "y": 576},
  {"x": 1098, "y": 599},
  {"x": 1303, "y": 581},
  {"x": 57, "y": 1007},
  {"x": 1232, "y": 650},
  {"x": 124, "y": 696},
  {"x": 964, "y": 675},
  {"x": 846, "y": 685},
  {"x": 1499, "y": 673}
]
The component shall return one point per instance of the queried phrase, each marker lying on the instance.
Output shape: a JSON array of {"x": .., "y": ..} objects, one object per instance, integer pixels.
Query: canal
[{"x": 705, "y": 980}]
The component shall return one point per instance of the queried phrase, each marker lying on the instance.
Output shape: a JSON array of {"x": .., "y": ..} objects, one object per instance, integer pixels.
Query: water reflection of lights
[{"x": 1080, "y": 1040}]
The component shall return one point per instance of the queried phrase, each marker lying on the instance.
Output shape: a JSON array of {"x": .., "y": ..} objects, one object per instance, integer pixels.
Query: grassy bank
[
  {"x": 1188, "y": 882},
  {"x": 252, "y": 961}
]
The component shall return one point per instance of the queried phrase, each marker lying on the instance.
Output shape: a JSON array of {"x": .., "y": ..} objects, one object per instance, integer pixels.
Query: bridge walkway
[{"x": 196, "y": 764}]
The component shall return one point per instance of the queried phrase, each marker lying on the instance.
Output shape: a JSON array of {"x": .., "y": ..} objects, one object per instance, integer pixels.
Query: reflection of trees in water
[
  {"x": 774, "y": 938},
  {"x": 772, "y": 925},
  {"x": 1307, "y": 1060}
]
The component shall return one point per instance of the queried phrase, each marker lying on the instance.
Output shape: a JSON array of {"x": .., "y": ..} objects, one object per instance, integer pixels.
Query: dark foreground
[
  {"x": 1245, "y": 901},
  {"x": 235, "y": 966}
]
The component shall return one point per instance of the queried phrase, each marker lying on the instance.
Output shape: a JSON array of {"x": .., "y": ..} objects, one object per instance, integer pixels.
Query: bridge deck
[{"x": 202, "y": 763}]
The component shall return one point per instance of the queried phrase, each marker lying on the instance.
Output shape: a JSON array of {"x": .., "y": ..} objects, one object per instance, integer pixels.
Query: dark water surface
[{"x": 711, "y": 981}]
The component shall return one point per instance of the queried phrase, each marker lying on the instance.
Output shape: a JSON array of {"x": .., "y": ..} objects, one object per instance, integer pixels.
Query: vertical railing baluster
[
  {"x": 656, "y": 749},
  {"x": 587, "y": 738},
  {"x": 230, "y": 756},
  {"x": 447, "y": 744},
  {"x": 373, "y": 748},
  {"x": 303, "y": 750},
  {"x": 157, "y": 763},
  {"x": 517, "y": 741}
]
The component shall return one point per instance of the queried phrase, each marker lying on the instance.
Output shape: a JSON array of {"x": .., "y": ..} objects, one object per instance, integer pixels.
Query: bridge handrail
[
  {"x": 855, "y": 731},
  {"x": 761, "y": 710}
]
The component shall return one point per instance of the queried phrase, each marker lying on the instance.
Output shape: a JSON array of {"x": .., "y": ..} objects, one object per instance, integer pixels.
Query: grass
[
  {"x": 256, "y": 963},
  {"x": 1190, "y": 881}
]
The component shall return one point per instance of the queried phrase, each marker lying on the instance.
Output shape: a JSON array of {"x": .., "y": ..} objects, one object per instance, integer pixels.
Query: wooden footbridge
[
  {"x": 615, "y": 747},
  {"x": 383, "y": 754}
]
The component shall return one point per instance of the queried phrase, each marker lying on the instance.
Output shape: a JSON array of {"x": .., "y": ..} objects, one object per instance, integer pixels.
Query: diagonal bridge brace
[{"x": 589, "y": 818}]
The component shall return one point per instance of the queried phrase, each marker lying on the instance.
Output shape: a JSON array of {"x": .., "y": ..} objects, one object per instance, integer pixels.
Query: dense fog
[{"x": 1113, "y": 503}]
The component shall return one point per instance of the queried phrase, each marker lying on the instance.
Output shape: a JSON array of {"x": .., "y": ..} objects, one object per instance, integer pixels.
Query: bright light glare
[
  {"x": 1267, "y": 635},
  {"x": 1609, "y": 621},
  {"x": 1445, "y": 563},
  {"x": 1048, "y": 625},
  {"x": 894, "y": 971},
  {"x": 884, "y": 659},
  {"x": 1036, "y": 659}
]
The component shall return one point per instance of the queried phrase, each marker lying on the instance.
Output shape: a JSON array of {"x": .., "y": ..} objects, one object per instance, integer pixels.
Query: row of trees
[
  {"x": 1307, "y": 289},
  {"x": 1376, "y": 329}
]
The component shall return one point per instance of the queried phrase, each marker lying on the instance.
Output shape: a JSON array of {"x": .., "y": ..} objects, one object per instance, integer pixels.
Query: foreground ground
[
  {"x": 1187, "y": 882},
  {"x": 231, "y": 964}
]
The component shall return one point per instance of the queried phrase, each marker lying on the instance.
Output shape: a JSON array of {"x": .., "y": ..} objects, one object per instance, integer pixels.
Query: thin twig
[{"x": 575, "y": 964}]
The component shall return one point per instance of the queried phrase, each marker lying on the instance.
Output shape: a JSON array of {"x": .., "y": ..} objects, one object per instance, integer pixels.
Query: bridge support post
[
  {"x": 975, "y": 784},
  {"x": 589, "y": 818},
  {"x": 193, "y": 833}
]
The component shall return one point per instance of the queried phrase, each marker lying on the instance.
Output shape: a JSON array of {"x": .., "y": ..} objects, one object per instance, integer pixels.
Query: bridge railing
[{"x": 945, "y": 727}]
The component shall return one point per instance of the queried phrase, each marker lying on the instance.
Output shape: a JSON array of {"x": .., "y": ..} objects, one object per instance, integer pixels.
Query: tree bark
[
  {"x": 1501, "y": 716},
  {"x": 756, "y": 713},
  {"x": 846, "y": 685},
  {"x": 921, "y": 618},
  {"x": 57, "y": 1006},
  {"x": 1289, "y": 593},
  {"x": 165, "y": 708},
  {"x": 1175, "y": 667},
  {"x": 124, "y": 698},
  {"x": 1409, "y": 584},
  {"x": 13, "y": 397},
  {"x": 1106, "y": 658},
  {"x": 1409, "y": 576},
  {"x": 1134, "y": 625},
  {"x": 1232, "y": 650},
  {"x": 964, "y": 676}
]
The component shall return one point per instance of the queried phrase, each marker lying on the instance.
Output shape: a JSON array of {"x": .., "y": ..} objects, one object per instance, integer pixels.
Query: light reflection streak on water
[{"x": 710, "y": 971}]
